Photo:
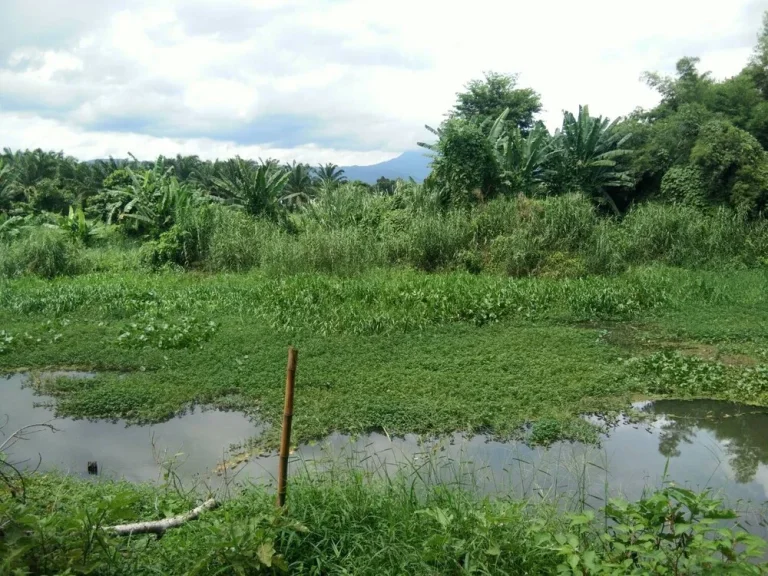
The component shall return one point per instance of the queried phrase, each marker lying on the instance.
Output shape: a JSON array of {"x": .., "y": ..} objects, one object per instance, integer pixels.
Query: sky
[{"x": 349, "y": 82}]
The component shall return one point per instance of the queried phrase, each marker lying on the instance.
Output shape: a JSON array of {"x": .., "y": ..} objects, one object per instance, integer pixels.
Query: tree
[
  {"x": 734, "y": 166},
  {"x": 589, "y": 150},
  {"x": 522, "y": 158},
  {"x": 688, "y": 87},
  {"x": 758, "y": 64},
  {"x": 329, "y": 175},
  {"x": 255, "y": 189},
  {"x": 299, "y": 187},
  {"x": 185, "y": 166},
  {"x": 5, "y": 190},
  {"x": 465, "y": 165},
  {"x": 489, "y": 97}
]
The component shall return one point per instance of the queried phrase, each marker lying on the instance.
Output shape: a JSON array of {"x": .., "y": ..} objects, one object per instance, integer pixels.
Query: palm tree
[
  {"x": 256, "y": 189},
  {"x": 590, "y": 148},
  {"x": 5, "y": 183},
  {"x": 522, "y": 158},
  {"x": 299, "y": 188},
  {"x": 329, "y": 175},
  {"x": 30, "y": 169},
  {"x": 185, "y": 166}
]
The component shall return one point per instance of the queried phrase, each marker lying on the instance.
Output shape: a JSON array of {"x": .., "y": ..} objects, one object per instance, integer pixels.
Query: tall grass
[
  {"x": 348, "y": 231},
  {"x": 41, "y": 252}
]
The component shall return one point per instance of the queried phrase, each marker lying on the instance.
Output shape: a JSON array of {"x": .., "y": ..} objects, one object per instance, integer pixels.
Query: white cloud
[
  {"x": 322, "y": 76},
  {"x": 23, "y": 131}
]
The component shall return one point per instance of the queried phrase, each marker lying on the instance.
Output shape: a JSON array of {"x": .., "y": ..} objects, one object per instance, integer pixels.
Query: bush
[
  {"x": 170, "y": 248},
  {"x": 43, "y": 252},
  {"x": 431, "y": 242},
  {"x": 684, "y": 185}
]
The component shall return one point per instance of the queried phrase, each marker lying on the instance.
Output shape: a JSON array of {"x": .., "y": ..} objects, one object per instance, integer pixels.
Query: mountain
[{"x": 413, "y": 164}]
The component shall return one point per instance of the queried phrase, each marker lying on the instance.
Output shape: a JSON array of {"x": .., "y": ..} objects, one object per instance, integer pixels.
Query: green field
[{"x": 391, "y": 351}]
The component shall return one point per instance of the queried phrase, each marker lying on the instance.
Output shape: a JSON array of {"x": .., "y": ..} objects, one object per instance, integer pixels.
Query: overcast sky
[{"x": 352, "y": 82}]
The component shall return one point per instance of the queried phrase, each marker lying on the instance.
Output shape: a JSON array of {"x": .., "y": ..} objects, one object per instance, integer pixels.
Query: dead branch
[
  {"x": 21, "y": 433},
  {"x": 160, "y": 526}
]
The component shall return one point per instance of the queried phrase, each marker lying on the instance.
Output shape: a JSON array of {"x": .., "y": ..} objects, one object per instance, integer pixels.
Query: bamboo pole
[{"x": 285, "y": 439}]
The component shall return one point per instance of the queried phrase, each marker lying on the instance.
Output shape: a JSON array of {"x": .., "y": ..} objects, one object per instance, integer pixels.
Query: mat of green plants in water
[{"x": 397, "y": 351}]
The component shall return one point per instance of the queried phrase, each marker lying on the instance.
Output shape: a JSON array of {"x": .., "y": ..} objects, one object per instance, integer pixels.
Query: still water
[{"x": 700, "y": 444}]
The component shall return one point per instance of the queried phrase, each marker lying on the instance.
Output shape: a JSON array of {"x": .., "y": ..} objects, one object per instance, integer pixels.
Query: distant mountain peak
[{"x": 410, "y": 164}]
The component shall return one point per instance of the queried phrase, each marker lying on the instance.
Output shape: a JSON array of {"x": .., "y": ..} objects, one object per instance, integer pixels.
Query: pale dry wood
[{"x": 160, "y": 526}]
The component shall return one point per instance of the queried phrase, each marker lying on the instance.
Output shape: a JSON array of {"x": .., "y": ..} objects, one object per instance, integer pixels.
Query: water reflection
[
  {"x": 741, "y": 431},
  {"x": 198, "y": 439},
  {"x": 702, "y": 444}
]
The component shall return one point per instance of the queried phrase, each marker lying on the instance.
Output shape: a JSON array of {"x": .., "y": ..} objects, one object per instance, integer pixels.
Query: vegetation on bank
[
  {"x": 403, "y": 352},
  {"x": 347, "y": 523}
]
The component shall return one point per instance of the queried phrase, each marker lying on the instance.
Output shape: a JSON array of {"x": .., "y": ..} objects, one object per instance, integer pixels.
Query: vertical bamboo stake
[{"x": 285, "y": 439}]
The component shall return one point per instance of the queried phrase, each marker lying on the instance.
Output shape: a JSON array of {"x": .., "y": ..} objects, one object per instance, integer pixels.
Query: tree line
[{"x": 703, "y": 145}]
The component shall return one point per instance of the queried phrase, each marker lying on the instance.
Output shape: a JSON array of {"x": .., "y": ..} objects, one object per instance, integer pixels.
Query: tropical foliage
[{"x": 702, "y": 147}]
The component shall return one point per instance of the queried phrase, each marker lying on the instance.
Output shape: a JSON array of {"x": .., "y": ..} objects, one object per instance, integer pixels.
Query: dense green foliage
[
  {"x": 700, "y": 154},
  {"x": 346, "y": 522}
]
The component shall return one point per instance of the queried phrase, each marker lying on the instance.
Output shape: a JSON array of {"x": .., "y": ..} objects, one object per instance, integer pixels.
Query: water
[
  {"x": 200, "y": 438},
  {"x": 703, "y": 444}
]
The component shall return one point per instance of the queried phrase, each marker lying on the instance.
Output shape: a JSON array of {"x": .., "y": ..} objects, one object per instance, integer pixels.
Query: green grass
[
  {"x": 395, "y": 351},
  {"x": 346, "y": 522}
]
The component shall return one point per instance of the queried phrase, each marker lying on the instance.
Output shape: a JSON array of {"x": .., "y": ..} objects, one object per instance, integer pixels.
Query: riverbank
[
  {"x": 343, "y": 521},
  {"x": 395, "y": 351}
]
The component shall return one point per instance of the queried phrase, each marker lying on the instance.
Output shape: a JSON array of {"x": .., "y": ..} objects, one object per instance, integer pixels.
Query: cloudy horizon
[{"x": 327, "y": 81}]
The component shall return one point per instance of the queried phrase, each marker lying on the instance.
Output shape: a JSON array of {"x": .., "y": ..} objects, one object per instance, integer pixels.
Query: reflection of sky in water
[
  {"x": 121, "y": 451},
  {"x": 703, "y": 439}
]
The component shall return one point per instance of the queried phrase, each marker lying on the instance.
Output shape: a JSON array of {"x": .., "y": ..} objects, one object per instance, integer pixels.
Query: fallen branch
[{"x": 160, "y": 526}]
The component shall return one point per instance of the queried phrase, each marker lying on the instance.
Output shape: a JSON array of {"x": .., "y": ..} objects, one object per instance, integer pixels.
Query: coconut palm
[{"x": 591, "y": 148}]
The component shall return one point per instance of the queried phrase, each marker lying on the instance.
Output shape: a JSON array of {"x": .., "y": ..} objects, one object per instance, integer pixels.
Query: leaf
[
  {"x": 573, "y": 560},
  {"x": 493, "y": 550},
  {"x": 266, "y": 552}
]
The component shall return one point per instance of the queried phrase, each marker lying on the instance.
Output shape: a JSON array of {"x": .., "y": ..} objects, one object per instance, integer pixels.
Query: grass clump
[{"x": 46, "y": 253}]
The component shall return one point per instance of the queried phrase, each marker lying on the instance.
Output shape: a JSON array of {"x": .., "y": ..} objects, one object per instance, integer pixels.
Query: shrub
[
  {"x": 43, "y": 252},
  {"x": 238, "y": 241},
  {"x": 430, "y": 242},
  {"x": 170, "y": 248},
  {"x": 684, "y": 185}
]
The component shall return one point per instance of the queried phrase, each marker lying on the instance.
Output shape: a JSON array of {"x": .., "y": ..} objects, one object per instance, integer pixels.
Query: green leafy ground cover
[{"x": 400, "y": 351}]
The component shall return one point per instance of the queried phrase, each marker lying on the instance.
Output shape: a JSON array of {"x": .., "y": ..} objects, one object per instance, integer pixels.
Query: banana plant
[
  {"x": 77, "y": 226},
  {"x": 591, "y": 148},
  {"x": 523, "y": 158}
]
